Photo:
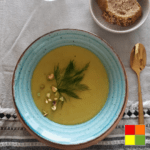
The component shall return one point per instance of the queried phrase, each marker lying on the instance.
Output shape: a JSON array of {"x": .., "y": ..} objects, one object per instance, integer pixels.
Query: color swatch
[{"x": 134, "y": 134}]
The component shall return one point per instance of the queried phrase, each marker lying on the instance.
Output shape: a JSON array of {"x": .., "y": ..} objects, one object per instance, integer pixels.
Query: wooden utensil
[{"x": 138, "y": 63}]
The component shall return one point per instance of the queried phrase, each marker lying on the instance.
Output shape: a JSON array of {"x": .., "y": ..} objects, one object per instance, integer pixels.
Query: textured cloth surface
[{"x": 21, "y": 22}]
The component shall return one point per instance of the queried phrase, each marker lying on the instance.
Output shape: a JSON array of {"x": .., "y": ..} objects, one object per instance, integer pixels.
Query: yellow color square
[{"x": 129, "y": 139}]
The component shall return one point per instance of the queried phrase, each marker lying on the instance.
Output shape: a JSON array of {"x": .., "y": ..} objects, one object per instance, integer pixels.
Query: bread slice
[{"x": 120, "y": 12}]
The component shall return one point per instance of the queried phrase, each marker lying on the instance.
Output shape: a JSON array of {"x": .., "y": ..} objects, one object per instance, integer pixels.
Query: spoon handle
[{"x": 141, "y": 116}]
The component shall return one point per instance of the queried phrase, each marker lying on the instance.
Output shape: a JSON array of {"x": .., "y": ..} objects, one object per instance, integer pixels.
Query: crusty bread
[{"x": 120, "y": 12}]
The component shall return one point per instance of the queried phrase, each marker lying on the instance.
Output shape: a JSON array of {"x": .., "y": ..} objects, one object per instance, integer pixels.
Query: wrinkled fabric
[{"x": 21, "y": 22}]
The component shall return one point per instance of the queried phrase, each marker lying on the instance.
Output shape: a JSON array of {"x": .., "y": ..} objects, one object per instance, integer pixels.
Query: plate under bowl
[{"x": 69, "y": 136}]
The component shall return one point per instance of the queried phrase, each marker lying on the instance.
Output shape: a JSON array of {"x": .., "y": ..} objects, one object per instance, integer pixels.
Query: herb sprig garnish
[{"x": 68, "y": 80}]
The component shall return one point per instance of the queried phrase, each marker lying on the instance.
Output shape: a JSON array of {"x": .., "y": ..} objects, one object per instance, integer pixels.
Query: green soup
[{"x": 73, "y": 111}]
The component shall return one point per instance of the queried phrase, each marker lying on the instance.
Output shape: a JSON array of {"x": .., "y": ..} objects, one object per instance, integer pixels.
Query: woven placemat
[{"x": 10, "y": 114}]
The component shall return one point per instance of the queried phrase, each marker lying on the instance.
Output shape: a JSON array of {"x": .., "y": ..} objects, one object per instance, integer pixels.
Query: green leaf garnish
[
  {"x": 69, "y": 93},
  {"x": 68, "y": 79}
]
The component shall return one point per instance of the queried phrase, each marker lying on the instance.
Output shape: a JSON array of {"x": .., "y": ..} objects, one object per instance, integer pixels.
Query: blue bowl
[{"x": 69, "y": 136}]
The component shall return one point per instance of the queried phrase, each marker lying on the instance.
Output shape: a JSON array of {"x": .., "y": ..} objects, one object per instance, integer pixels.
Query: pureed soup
[{"x": 70, "y": 85}]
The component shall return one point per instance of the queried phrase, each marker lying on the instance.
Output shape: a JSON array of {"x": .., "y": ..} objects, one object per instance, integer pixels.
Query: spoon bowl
[{"x": 138, "y": 58}]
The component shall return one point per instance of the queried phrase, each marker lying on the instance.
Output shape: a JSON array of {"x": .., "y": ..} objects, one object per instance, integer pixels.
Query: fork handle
[{"x": 141, "y": 115}]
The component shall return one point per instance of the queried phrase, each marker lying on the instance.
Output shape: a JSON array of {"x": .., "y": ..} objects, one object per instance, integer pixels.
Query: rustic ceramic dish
[
  {"x": 97, "y": 16},
  {"x": 69, "y": 136}
]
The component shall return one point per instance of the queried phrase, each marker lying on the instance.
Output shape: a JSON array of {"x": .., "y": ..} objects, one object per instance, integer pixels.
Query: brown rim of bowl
[{"x": 77, "y": 146}]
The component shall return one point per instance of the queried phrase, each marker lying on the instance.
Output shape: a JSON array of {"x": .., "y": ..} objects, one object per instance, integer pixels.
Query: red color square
[{"x": 129, "y": 129}]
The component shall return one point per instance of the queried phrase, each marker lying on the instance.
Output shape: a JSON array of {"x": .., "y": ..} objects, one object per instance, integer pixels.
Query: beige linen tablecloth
[{"x": 21, "y": 22}]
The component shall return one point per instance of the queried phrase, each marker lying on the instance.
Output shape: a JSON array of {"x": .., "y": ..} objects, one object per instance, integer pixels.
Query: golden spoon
[{"x": 138, "y": 63}]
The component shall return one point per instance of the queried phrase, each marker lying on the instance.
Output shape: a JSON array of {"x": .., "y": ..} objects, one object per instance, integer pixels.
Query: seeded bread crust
[{"x": 120, "y": 12}]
